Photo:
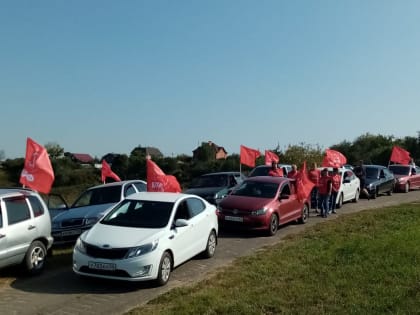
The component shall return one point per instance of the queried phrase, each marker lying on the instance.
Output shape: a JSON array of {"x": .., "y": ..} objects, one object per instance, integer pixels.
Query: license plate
[
  {"x": 236, "y": 219},
  {"x": 71, "y": 232},
  {"x": 101, "y": 266}
]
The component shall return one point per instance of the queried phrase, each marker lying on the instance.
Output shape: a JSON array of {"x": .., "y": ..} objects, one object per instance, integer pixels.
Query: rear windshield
[
  {"x": 218, "y": 180},
  {"x": 400, "y": 169}
]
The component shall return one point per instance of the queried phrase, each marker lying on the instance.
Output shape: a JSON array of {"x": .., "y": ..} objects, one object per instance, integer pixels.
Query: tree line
[{"x": 372, "y": 149}]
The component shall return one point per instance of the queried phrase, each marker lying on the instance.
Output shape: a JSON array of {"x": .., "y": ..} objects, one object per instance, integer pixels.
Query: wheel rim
[
  {"x": 407, "y": 187},
  {"x": 356, "y": 197},
  {"x": 166, "y": 268},
  {"x": 37, "y": 257},
  {"x": 212, "y": 243},
  {"x": 305, "y": 213},
  {"x": 273, "y": 224}
]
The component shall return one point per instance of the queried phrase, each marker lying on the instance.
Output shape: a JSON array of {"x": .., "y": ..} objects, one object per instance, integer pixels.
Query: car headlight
[
  {"x": 259, "y": 211},
  {"x": 80, "y": 246},
  {"x": 142, "y": 250}
]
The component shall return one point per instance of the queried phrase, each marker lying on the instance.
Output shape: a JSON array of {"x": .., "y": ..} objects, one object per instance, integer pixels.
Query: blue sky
[{"x": 107, "y": 76}]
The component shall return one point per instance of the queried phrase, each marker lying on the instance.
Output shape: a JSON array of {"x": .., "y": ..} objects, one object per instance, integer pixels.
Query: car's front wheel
[
  {"x": 35, "y": 257},
  {"x": 407, "y": 187},
  {"x": 340, "y": 201},
  {"x": 356, "y": 196},
  {"x": 211, "y": 245},
  {"x": 165, "y": 267},
  {"x": 274, "y": 224}
]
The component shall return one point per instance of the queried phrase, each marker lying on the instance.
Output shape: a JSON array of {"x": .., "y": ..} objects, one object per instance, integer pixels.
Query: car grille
[
  {"x": 113, "y": 273},
  {"x": 237, "y": 212},
  {"x": 107, "y": 253},
  {"x": 72, "y": 222}
]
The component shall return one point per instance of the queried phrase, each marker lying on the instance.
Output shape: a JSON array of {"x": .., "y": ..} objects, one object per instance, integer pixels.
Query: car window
[
  {"x": 97, "y": 196},
  {"x": 17, "y": 210},
  {"x": 285, "y": 190},
  {"x": 128, "y": 190},
  {"x": 1, "y": 218},
  {"x": 195, "y": 206},
  {"x": 140, "y": 186},
  {"x": 140, "y": 214},
  {"x": 36, "y": 205},
  {"x": 182, "y": 211}
]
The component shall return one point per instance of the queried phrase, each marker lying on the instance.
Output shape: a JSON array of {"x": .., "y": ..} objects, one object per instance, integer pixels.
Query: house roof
[{"x": 82, "y": 157}]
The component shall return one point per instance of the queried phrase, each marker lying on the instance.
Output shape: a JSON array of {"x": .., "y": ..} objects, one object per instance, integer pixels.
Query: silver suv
[{"x": 25, "y": 229}]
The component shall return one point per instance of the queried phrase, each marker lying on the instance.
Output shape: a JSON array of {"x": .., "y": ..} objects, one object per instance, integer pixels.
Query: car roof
[
  {"x": 374, "y": 166},
  {"x": 269, "y": 179},
  {"x": 158, "y": 196},
  {"x": 223, "y": 173},
  {"x": 120, "y": 183},
  {"x": 14, "y": 191}
]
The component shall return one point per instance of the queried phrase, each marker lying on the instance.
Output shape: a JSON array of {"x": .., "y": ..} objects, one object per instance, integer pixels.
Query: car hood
[
  {"x": 204, "y": 191},
  {"x": 371, "y": 180},
  {"x": 245, "y": 203},
  {"x": 83, "y": 212},
  {"x": 119, "y": 236}
]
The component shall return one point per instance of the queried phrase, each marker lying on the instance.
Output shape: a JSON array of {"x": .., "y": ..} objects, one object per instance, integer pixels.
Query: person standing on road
[
  {"x": 292, "y": 174},
  {"x": 314, "y": 175},
  {"x": 336, "y": 183},
  {"x": 360, "y": 172},
  {"x": 325, "y": 188}
]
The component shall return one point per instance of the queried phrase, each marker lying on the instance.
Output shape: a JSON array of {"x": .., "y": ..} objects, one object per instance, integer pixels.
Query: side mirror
[{"x": 181, "y": 223}]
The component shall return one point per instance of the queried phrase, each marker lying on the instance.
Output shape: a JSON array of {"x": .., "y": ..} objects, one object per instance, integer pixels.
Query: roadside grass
[{"x": 362, "y": 263}]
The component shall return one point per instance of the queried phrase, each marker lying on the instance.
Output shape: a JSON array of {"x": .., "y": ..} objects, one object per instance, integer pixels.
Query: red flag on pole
[
  {"x": 399, "y": 155},
  {"x": 107, "y": 172},
  {"x": 37, "y": 172},
  {"x": 157, "y": 180},
  {"x": 333, "y": 158},
  {"x": 303, "y": 184},
  {"x": 248, "y": 156},
  {"x": 270, "y": 157}
]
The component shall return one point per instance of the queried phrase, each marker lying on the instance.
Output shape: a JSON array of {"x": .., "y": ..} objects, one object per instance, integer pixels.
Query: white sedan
[{"x": 147, "y": 235}]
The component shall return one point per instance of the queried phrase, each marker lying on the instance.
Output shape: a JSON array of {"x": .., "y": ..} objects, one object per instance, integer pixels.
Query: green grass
[{"x": 363, "y": 263}]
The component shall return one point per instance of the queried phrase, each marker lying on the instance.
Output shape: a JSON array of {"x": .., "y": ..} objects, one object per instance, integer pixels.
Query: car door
[
  {"x": 349, "y": 185},
  {"x": 387, "y": 180},
  {"x": 3, "y": 239},
  {"x": 182, "y": 238},
  {"x": 21, "y": 228},
  {"x": 415, "y": 177},
  {"x": 200, "y": 222},
  {"x": 290, "y": 207}
]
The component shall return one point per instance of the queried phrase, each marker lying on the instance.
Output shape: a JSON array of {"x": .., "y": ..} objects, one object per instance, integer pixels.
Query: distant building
[
  {"x": 219, "y": 152},
  {"x": 153, "y": 152},
  {"x": 82, "y": 158}
]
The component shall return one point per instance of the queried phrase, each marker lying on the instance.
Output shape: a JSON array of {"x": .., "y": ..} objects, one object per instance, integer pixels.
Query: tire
[
  {"x": 356, "y": 196},
  {"x": 211, "y": 245},
  {"x": 375, "y": 194},
  {"x": 407, "y": 187},
  {"x": 340, "y": 201},
  {"x": 165, "y": 267},
  {"x": 274, "y": 225},
  {"x": 304, "y": 215},
  {"x": 389, "y": 193},
  {"x": 35, "y": 258}
]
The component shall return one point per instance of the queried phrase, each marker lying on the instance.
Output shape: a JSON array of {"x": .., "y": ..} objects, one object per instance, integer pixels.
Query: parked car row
[{"x": 122, "y": 232}]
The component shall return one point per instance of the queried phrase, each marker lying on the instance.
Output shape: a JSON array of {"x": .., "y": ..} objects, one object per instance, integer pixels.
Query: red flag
[
  {"x": 303, "y": 184},
  {"x": 37, "y": 172},
  {"x": 248, "y": 156},
  {"x": 107, "y": 172},
  {"x": 157, "y": 180},
  {"x": 399, "y": 155},
  {"x": 333, "y": 158},
  {"x": 270, "y": 157}
]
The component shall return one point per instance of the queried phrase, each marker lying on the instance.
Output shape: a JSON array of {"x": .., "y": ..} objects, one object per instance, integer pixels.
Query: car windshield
[
  {"x": 400, "y": 169},
  {"x": 97, "y": 196},
  {"x": 140, "y": 214},
  {"x": 256, "y": 189},
  {"x": 372, "y": 172},
  {"x": 210, "y": 181}
]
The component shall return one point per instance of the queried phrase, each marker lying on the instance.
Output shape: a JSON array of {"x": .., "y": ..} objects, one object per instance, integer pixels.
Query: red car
[
  {"x": 262, "y": 203},
  {"x": 407, "y": 177}
]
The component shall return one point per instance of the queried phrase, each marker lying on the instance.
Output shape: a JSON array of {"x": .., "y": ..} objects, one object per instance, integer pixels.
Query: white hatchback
[{"x": 145, "y": 236}]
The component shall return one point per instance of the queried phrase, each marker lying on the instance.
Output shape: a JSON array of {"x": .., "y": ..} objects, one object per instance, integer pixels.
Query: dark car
[
  {"x": 407, "y": 177},
  {"x": 262, "y": 203},
  {"x": 262, "y": 170},
  {"x": 215, "y": 186},
  {"x": 379, "y": 180}
]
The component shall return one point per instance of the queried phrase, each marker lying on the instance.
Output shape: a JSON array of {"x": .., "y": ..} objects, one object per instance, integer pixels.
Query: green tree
[{"x": 54, "y": 150}]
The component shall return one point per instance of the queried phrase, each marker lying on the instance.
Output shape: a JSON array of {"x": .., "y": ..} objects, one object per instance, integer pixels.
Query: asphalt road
[{"x": 59, "y": 291}]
